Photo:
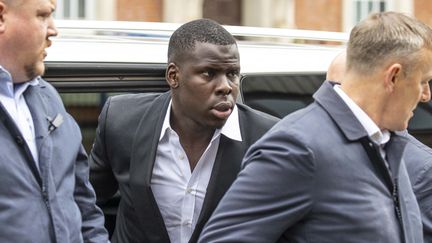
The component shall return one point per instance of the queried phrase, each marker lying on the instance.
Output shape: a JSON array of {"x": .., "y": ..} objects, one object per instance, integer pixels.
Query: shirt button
[
  {"x": 181, "y": 157},
  {"x": 187, "y": 222},
  {"x": 189, "y": 190}
]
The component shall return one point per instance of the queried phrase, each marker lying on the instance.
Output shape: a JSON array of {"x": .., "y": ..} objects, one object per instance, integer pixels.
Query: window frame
[
  {"x": 74, "y": 9},
  {"x": 349, "y": 9}
]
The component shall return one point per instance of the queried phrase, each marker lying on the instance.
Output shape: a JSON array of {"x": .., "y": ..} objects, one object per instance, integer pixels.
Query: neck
[{"x": 368, "y": 94}]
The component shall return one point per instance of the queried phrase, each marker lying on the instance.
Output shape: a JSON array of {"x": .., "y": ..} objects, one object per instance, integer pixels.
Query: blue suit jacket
[
  {"x": 315, "y": 177},
  {"x": 55, "y": 203},
  {"x": 418, "y": 159}
]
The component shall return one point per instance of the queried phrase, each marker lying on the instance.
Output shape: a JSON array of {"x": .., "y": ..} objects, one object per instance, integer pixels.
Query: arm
[
  {"x": 101, "y": 175},
  {"x": 271, "y": 193},
  {"x": 92, "y": 228},
  {"x": 423, "y": 191},
  {"x": 92, "y": 219}
]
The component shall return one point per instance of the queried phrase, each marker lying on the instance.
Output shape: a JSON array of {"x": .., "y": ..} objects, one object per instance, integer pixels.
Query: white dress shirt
[
  {"x": 12, "y": 99},
  {"x": 377, "y": 136},
  {"x": 179, "y": 192}
]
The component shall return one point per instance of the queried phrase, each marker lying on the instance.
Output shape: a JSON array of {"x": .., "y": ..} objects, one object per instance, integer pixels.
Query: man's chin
[
  {"x": 35, "y": 71},
  {"x": 219, "y": 124}
]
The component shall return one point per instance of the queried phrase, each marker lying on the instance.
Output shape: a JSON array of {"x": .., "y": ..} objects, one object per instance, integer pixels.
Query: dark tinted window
[
  {"x": 84, "y": 88},
  {"x": 280, "y": 95}
]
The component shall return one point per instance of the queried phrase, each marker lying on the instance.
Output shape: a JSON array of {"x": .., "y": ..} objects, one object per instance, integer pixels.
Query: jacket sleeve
[
  {"x": 101, "y": 175},
  {"x": 92, "y": 228},
  {"x": 423, "y": 191},
  {"x": 260, "y": 205}
]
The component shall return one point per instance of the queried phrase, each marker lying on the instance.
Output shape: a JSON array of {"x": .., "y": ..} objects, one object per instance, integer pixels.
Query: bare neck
[
  {"x": 368, "y": 94},
  {"x": 193, "y": 138}
]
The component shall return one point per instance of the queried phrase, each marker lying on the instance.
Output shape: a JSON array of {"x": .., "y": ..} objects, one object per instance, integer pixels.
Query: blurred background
[{"x": 327, "y": 15}]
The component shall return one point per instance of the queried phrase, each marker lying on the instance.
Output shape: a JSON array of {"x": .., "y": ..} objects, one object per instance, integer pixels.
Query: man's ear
[
  {"x": 3, "y": 9},
  {"x": 172, "y": 75},
  {"x": 392, "y": 76}
]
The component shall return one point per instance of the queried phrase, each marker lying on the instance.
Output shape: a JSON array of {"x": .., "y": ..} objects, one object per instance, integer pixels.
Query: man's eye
[
  {"x": 233, "y": 74},
  {"x": 208, "y": 73}
]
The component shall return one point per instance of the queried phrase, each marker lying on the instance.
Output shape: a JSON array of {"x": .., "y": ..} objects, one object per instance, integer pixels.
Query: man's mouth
[{"x": 222, "y": 110}]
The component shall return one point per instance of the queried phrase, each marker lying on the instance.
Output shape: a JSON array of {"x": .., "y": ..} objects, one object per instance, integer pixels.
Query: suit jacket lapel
[
  {"x": 142, "y": 160},
  {"x": 38, "y": 109},
  {"x": 38, "y": 101},
  {"x": 16, "y": 134},
  {"x": 225, "y": 170}
]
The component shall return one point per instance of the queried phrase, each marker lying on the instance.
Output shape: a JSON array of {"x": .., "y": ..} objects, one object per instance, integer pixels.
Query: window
[
  {"x": 356, "y": 10},
  {"x": 75, "y": 9},
  {"x": 280, "y": 94},
  {"x": 362, "y": 8}
]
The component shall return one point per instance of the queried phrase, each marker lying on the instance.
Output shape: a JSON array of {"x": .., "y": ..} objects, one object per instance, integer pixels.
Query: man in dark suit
[
  {"x": 417, "y": 156},
  {"x": 334, "y": 171},
  {"x": 173, "y": 156},
  {"x": 45, "y": 194}
]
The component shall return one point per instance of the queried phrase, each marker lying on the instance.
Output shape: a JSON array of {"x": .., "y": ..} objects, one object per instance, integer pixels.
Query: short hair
[
  {"x": 201, "y": 30},
  {"x": 386, "y": 36}
]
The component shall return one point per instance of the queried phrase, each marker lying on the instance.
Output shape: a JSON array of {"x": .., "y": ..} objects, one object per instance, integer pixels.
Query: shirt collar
[
  {"x": 7, "y": 87},
  {"x": 231, "y": 129},
  {"x": 378, "y": 136}
]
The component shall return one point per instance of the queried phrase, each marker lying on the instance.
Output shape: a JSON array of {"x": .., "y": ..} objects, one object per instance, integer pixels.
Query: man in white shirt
[
  {"x": 328, "y": 172},
  {"x": 172, "y": 156},
  {"x": 45, "y": 194}
]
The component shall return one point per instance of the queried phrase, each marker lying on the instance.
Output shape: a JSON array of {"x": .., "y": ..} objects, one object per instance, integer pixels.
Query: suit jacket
[
  {"x": 56, "y": 202},
  {"x": 316, "y": 177},
  {"x": 418, "y": 159},
  {"x": 124, "y": 153}
]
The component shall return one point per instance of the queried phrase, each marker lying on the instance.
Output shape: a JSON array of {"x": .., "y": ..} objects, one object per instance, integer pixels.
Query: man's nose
[
  {"x": 52, "y": 29},
  {"x": 224, "y": 85}
]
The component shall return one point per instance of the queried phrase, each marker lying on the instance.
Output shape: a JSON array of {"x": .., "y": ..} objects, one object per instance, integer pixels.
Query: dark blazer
[
  {"x": 418, "y": 159},
  {"x": 55, "y": 202},
  {"x": 124, "y": 153},
  {"x": 316, "y": 177}
]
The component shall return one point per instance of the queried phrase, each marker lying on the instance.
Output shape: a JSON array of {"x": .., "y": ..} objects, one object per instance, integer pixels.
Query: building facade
[{"x": 328, "y": 15}]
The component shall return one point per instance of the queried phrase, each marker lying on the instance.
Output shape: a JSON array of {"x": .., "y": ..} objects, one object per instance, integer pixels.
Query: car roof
[{"x": 262, "y": 50}]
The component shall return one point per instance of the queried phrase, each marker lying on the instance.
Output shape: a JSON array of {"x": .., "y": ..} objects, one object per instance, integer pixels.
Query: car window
[
  {"x": 281, "y": 94},
  {"x": 84, "y": 87}
]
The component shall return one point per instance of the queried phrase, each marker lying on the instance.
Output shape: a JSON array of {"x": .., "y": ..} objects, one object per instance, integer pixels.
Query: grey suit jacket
[
  {"x": 123, "y": 156},
  {"x": 315, "y": 177},
  {"x": 55, "y": 203},
  {"x": 418, "y": 159}
]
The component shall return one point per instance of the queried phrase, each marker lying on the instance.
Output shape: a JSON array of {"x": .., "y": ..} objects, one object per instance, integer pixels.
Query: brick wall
[
  {"x": 319, "y": 15},
  {"x": 422, "y": 11},
  {"x": 223, "y": 11},
  {"x": 139, "y": 10}
]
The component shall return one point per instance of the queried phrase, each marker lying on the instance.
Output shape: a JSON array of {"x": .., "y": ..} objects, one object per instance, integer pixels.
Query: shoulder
[
  {"x": 254, "y": 123},
  {"x": 418, "y": 159},
  {"x": 134, "y": 99},
  {"x": 133, "y": 103},
  {"x": 256, "y": 116},
  {"x": 127, "y": 109},
  {"x": 47, "y": 89}
]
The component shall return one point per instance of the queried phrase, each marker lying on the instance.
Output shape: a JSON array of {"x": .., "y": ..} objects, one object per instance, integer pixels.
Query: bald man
[
  {"x": 417, "y": 156},
  {"x": 336, "y": 69}
]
